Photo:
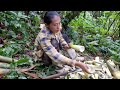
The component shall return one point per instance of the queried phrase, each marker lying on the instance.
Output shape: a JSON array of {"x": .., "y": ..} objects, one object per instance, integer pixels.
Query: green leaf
[
  {"x": 21, "y": 61},
  {"x": 94, "y": 43},
  {"x": 20, "y": 15},
  {"x": 112, "y": 52}
]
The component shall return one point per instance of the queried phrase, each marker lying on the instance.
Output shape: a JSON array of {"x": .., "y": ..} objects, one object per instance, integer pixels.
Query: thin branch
[
  {"x": 60, "y": 74},
  {"x": 55, "y": 75}
]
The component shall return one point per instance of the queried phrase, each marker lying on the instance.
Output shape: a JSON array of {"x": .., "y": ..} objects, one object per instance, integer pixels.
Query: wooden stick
[
  {"x": 60, "y": 74},
  {"x": 24, "y": 70},
  {"x": 55, "y": 75},
  {"x": 4, "y": 71},
  {"x": 31, "y": 75}
]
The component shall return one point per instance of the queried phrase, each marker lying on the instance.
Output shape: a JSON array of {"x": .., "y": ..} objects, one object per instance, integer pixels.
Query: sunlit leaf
[
  {"x": 21, "y": 61},
  {"x": 94, "y": 43}
]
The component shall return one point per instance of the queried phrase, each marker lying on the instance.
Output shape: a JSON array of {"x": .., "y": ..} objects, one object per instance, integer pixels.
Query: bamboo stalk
[
  {"x": 6, "y": 59},
  {"x": 4, "y": 65},
  {"x": 4, "y": 71}
]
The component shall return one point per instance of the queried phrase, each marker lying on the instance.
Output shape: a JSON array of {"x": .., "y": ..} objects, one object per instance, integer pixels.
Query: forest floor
[{"x": 38, "y": 70}]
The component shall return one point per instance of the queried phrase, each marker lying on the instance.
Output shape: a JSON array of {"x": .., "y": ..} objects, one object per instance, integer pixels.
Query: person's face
[{"x": 55, "y": 26}]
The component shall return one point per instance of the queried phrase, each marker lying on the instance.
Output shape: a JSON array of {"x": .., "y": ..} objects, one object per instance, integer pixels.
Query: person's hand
[
  {"x": 66, "y": 47},
  {"x": 83, "y": 66}
]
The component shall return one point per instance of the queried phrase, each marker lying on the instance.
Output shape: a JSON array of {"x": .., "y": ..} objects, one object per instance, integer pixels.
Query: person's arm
[
  {"x": 51, "y": 51},
  {"x": 56, "y": 56},
  {"x": 37, "y": 48}
]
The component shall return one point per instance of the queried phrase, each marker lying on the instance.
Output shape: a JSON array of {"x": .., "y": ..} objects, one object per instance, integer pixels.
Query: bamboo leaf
[{"x": 21, "y": 61}]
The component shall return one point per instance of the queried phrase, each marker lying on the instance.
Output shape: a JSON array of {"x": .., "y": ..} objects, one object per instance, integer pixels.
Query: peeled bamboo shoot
[
  {"x": 114, "y": 72},
  {"x": 72, "y": 53},
  {"x": 77, "y": 47}
]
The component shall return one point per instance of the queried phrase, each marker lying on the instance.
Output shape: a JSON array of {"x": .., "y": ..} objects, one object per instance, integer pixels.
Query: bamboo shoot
[
  {"x": 114, "y": 72},
  {"x": 77, "y": 47},
  {"x": 4, "y": 65},
  {"x": 6, "y": 59}
]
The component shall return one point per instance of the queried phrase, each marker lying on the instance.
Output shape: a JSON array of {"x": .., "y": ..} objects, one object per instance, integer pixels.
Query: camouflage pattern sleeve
[{"x": 37, "y": 48}]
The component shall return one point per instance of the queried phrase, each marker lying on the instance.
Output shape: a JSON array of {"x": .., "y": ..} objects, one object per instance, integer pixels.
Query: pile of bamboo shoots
[
  {"x": 100, "y": 69},
  {"x": 5, "y": 64}
]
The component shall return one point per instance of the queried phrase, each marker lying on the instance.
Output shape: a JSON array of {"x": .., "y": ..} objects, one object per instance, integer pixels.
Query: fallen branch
[
  {"x": 56, "y": 75},
  {"x": 31, "y": 75},
  {"x": 5, "y": 71},
  {"x": 60, "y": 74},
  {"x": 27, "y": 73},
  {"x": 7, "y": 59},
  {"x": 24, "y": 70}
]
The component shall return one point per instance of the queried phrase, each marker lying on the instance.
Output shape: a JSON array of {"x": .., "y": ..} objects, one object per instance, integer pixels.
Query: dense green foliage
[{"x": 99, "y": 35}]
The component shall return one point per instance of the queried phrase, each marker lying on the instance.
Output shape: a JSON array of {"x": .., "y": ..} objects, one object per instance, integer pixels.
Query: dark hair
[{"x": 49, "y": 15}]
